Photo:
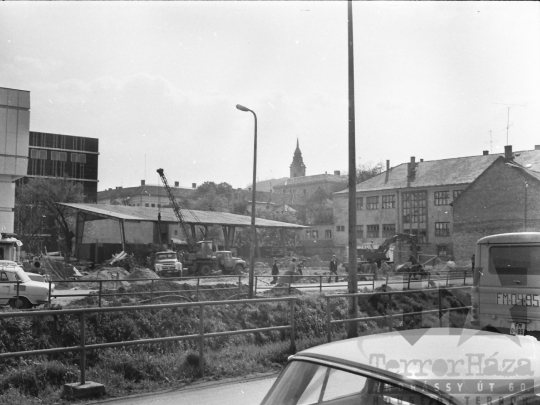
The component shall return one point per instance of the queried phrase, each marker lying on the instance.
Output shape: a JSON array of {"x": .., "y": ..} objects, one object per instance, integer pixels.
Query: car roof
[
  {"x": 516, "y": 237},
  {"x": 422, "y": 354}
]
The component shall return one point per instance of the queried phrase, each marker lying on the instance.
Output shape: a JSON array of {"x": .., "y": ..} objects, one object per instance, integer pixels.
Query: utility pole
[{"x": 353, "y": 276}]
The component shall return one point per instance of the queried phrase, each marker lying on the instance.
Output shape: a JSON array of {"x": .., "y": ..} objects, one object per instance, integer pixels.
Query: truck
[
  {"x": 166, "y": 264},
  {"x": 18, "y": 290},
  {"x": 200, "y": 258},
  {"x": 229, "y": 264}
]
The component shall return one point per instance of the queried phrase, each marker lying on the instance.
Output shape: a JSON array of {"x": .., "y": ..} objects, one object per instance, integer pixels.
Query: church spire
[{"x": 298, "y": 168}]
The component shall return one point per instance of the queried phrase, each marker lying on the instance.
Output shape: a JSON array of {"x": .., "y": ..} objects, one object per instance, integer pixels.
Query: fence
[
  {"x": 388, "y": 317},
  {"x": 365, "y": 279},
  {"x": 201, "y": 336}
]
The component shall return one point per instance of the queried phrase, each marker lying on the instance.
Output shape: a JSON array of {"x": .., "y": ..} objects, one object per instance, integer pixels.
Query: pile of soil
[{"x": 141, "y": 272}]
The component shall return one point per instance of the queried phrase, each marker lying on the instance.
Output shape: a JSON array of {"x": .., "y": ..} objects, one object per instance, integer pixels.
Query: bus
[{"x": 506, "y": 284}]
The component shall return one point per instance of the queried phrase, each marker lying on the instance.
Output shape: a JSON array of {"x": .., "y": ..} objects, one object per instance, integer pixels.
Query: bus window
[{"x": 514, "y": 260}]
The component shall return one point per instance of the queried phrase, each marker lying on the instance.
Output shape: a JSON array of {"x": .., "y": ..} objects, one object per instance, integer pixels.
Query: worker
[
  {"x": 375, "y": 270},
  {"x": 301, "y": 266},
  {"x": 333, "y": 268},
  {"x": 275, "y": 272}
]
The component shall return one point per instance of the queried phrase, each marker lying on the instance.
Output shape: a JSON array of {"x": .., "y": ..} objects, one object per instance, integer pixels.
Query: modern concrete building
[
  {"x": 14, "y": 134},
  {"x": 72, "y": 157},
  {"x": 417, "y": 197},
  {"x": 14, "y": 138}
]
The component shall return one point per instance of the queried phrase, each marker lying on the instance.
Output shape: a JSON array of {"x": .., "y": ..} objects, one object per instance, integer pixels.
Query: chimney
[
  {"x": 143, "y": 182},
  {"x": 485, "y": 153},
  {"x": 387, "y": 165},
  {"x": 421, "y": 160},
  {"x": 411, "y": 167},
  {"x": 508, "y": 152},
  {"x": 193, "y": 185},
  {"x": 176, "y": 184},
  {"x": 536, "y": 147},
  {"x": 337, "y": 172}
]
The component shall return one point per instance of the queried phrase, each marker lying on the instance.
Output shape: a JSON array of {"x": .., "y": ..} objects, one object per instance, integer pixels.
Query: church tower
[{"x": 298, "y": 168}]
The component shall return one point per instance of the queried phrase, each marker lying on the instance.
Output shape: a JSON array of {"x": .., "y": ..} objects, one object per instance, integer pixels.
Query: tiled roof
[
  {"x": 146, "y": 214},
  {"x": 141, "y": 191},
  {"x": 267, "y": 185},
  {"x": 454, "y": 171},
  {"x": 317, "y": 178}
]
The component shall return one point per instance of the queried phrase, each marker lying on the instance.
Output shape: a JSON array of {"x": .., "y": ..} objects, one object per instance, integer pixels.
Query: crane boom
[{"x": 177, "y": 212}]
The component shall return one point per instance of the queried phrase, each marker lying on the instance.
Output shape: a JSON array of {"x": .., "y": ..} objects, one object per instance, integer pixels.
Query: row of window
[
  {"x": 389, "y": 230},
  {"x": 57, "y": 156},
  {"x": 314, "y": 234},
  {"x": 416, "y": 199}
]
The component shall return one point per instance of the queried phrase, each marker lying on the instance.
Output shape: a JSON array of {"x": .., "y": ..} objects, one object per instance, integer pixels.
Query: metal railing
[
  {"x": 293, "y": 279},
  {"x": 201, "y": 336},
  {"x": 390, "y": 316}
]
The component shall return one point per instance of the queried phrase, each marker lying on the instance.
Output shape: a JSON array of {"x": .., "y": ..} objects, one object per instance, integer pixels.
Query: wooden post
[
  {"x": 123, "y": 235},
  {"x": 226, "y": 234},
  {"x": 282, "y": 238},
  {"x": 82, "y": 344}
]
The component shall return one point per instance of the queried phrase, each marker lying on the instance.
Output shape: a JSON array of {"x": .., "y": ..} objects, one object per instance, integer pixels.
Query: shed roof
[
  {"x": 316, "y": 178},
  {"x": 146, "y": 214}
]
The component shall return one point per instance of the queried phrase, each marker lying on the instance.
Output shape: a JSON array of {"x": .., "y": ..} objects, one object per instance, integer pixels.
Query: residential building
[
  {"x": 145, "y": 195},
  {"x": 65, "y": 156},
  {"x": 504, "y": 198},
  {"x": 415, "y": 198}
]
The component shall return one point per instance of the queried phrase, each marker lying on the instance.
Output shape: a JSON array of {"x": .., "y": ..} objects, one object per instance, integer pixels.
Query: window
[
  {"x": 442, "y": 228},
  {"x": 372, "y": 203},
  {"x": 328, "y": 234},
  {"x": 146, "y": 204},
  {"x": 359, "y": 203},
  {"x": 38, "y": 154},
  {"x": 442, "y": 198},
  {"x": 78, "y": 158},
  {"x": 388, "y": 201},
  {"x": 456, "y": 193},
  {"x": 315, "y": 234},
  {"x": 305, "y": 192},
  {"x": 414, "y": 214},
  {"x": 388, "y": 230},
  {"x": 372, "y": 231},
  {"x": 442, "y": 250},
  {"x": 159, "y": 205},
  {"x": 359, "y": 231},
  {"x": 312, "y": 234},
  {"x": 60, "y": 156},
  {"x": 340, "y": 228},
  {"x": 154, "y": 205}
]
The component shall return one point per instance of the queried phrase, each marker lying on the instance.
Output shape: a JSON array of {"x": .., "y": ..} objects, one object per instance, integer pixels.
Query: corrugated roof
[
  {"x": 317, "y": 178},
  {"x": 147, "y": 214},
  {"x": 454, "y": 171}
]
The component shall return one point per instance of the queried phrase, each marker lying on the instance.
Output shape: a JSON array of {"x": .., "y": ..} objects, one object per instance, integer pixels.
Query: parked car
[
  {"x": 423, "y": 366},
  {"x": 18, "y": 290}
]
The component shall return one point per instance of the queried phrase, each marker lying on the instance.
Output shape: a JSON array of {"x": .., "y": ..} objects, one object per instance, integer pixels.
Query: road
[{"x": 237, "y": 392}]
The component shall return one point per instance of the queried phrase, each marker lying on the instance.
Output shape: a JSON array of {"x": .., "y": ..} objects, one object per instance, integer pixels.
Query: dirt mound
[{"x": 141, "y": 273}]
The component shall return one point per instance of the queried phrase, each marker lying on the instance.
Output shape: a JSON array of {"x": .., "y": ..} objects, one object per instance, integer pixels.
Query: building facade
[
  {"x": 14, "y": 138},
  {"x": 72, "y": 157},
  {"x": 513, "y": 205},
  {"x": 414, "y": 198}
]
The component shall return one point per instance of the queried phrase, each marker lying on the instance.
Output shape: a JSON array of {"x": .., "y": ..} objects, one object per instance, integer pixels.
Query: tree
[
  {"x": 318, "y": 209},
  {"x": 366, "y": 171},
  {"x": 38, "y": 198},
  {"x": 210, "y": 196}
]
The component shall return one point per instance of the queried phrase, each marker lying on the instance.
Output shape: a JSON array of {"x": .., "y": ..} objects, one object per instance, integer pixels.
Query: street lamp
[{"x": 253, "y": 229}]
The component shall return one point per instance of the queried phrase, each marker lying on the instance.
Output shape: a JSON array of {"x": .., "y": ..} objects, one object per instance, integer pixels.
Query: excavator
[
  {"x": 200, "y": 258},
  {"x": 379, "y": 254}
]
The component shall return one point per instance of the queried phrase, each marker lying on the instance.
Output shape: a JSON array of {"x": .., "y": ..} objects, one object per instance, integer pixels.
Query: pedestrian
[
  {"x": 275, "y": 272},
  {"x": 375, "y": 270},
  {"x": 292, "y": 265},
  {"x": 301, "y": 266},
  {"x": 333, "y": 268}
]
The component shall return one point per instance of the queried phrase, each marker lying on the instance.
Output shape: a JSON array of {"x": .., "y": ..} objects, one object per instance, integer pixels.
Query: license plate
[{"x": 517, "y": 328}]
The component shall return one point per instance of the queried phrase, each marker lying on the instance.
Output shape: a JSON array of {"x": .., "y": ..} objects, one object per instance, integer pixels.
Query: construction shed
[{"x": 102, "y": 230}]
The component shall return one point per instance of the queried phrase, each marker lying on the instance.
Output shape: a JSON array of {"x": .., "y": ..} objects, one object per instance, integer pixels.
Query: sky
[{"x": 158, "y": 82}]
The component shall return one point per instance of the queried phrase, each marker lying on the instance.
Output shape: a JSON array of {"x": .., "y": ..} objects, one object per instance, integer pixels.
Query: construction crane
[{"x": 200, "y": 258}]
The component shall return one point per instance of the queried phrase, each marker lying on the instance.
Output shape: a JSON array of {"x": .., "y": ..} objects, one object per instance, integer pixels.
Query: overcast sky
[{"x": 158, "y": 82}]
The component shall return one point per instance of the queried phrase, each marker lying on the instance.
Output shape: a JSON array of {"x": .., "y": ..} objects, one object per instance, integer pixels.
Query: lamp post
[{"x": 253, "y": 229}]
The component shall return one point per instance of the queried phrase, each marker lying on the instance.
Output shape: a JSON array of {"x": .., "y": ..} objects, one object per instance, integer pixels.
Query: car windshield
[
  {"x": 304, "y": 383},
  {"x": 21, "y": 275},
  {"x": 166, "y": 256}
]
